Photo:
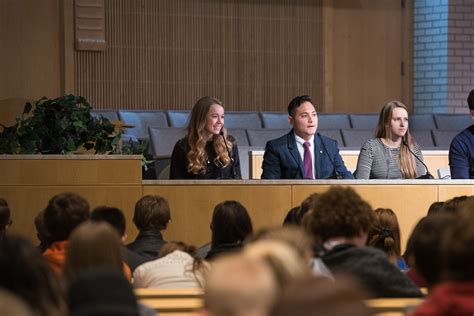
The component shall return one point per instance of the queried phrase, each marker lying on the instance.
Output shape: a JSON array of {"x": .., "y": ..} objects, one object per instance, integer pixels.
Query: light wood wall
[{"x": 253, "y": 54}]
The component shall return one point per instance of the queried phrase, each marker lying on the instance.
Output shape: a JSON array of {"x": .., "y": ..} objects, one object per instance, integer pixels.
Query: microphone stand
[
  {"x": 232, "y": 169},
  {"x": 428, "y": 174}
]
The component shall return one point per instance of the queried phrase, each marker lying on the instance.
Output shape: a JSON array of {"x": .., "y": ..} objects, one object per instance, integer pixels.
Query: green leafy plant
[{"x": 58, "y": 126}]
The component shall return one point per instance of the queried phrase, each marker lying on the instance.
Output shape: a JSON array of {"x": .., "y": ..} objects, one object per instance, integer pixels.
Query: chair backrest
[
  {"x": 260, "y": 136},
  {"x": 112, "y": 115},
  {"x": 333, "y": 121},
  {"x": 242, "y": 120},
  {"x": 334, "y": 134},
  {"x": 165, "y": 173},
  {"x": 142, "y": 120},
  {"x": 364, "y": 121},
  {"x": 452, "y": 122},
  {"x": 275, "y": 120},
  {"x": 178, "y": 118},
  {"x": 421, "y": 122},
  {"x": 240, "y": 136},
  {"x": 424, "y": 138},
  {"x": 162, "y": 140},
  {"x": 355, "y": 138},
  {"x": 442, "y": 139}
]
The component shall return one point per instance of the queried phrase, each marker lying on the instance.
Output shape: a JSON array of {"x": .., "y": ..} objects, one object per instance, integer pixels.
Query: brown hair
[
  {"x": 152, "y": 212},
  {"x": 339, "y": 212},
  {"x": 383, "y": 131},
  {"x": 385, "y": 233},
  {"x": 196, "y": 139},
  {"x": 92, "y": 245}
]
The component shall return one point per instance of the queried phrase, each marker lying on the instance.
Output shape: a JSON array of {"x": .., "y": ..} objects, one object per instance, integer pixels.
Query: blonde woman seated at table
[{"x": 391, "y": 154}]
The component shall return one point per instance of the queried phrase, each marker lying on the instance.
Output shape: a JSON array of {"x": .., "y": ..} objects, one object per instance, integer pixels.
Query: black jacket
[{"x": 147, "y": 244}]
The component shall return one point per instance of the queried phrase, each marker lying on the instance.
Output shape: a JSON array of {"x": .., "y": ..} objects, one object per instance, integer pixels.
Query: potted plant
[{"x": 59, "y": 126}]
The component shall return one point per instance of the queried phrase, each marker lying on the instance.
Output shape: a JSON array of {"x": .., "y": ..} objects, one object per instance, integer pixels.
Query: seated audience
[
  {"x": 456, "y": 203},
  {"x": 102, "y": 292},
  {"x": 340, "y": 220},
  {"x": 5, "y": 220},
  {"x": 454, "y": 295},
  {"x": 435, "y": 208},
  {"x": 391, "y": 154},
  {"x": 151, "y": 216},
  {"x": 94, "y": 245},
  {"x": 295, "y": 215},
  {"x": 239, "y": 286},
  {"x": 26, "y": 274},
  {"x": 230, "y": 225},
  {"x": 42, "y": 233},
  {"x": 385, "y": 235},
  {"x": 461, "y": 151},
  {"x": 176, "y": 267},
  {"x": 425, "y": 248},
  {"x": 63, "y": 213},
  {"x": 202, "y": 154},
  {"x": 320, "y": 297},
  {"x": 114, "y": 217}
]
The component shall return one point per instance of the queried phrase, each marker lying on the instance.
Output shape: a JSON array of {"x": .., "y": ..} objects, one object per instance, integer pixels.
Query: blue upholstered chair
[
  {"x": 260, "y": 136},
  {"x": 178, "y": 118},
  {"x": 112, "y": 115},
  {"x": 275, "y": 120},
  {"x": 364, "y": 121},
  {"x": 442, "y": 139},
  {"x": 423, "y": 122},
  {"x": 142, "y": 120},
  {"x": 240, "y": 136},
  {"x": 334, "y": 134},
  {"x": 452, "y": 122},
  {"x": 424, "y": 138},
  {"x": 162, "y": 141},
  {"x": 333, "y": 121},
  {"x": 242, "y": 120},
  {"x": 355, "y": 138}
]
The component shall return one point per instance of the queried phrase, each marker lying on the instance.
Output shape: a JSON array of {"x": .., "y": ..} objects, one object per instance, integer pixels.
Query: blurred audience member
[
  {"x": 42, "y": 233},
  {"x": 5, "y": 220}
]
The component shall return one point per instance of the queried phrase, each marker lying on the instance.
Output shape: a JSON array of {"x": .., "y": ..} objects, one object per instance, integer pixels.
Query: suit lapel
[
  {"x": 318, "y": 152},
  {"x": 294, "y": 152}
]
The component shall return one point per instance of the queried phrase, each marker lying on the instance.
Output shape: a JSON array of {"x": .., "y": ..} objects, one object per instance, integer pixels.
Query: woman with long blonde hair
[
  {"x": 204, "y": 152},
  {"x": 388, "y": 156}
]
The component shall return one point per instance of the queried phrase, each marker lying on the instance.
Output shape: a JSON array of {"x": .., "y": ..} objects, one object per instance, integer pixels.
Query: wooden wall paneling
[
  {"x": 447, "y": 192},
  {"x": 192, "y": 207},
  {"x": 29, "y": 49},
  {"x": 66, "y": 42},
  {"x": 253, "y": 55},
  {"x": 367, "y": 54},
  {"x": 404, "y": 200}
]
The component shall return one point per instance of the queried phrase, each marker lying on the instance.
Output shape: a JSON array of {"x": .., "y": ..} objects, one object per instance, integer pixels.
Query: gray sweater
[{"x": 377, "y": 161}]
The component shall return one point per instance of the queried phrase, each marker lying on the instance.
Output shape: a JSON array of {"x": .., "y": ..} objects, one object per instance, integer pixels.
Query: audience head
[
  {"x": 102, "y": 292},
  {"x": 312, "y": 296},
  {"x": 296, "y": 214},
  {"x": 435, "y": 208},
  {"x": 92, "y": 245},
  {"x": 385, "y": 233},
  {"x": 392, "y": 125},
  {"x": 303, "y": 116},
  {"x": 470, "y": 101},
  {"x": 340, "y": 213},
  {"x": 42, "y": 232},
  {"x": 457, "y": 246},
  {"x": 205, "y": 124},
  {"x": 172, "y": 246},
  {"x": 425, "y": 241},
  {"x": 26, "y": 274},
  {"x": 63, "y": 213},
  {"x": 230, "y": 223},
  {"x": 152, "y": 213},
  {"x": 239, "y": 286},
  {"x": 456, "y": 203},
  {"x": 111, "y": 215},
  {"x": 5, "y": 220},
  {"x": 284, "y": 260}
]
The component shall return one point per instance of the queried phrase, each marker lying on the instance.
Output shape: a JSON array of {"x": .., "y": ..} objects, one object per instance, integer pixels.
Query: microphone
[
  {"x": 338, "y": 175},
  {"x": 232, "y": 169},
  {"x": 428, "y": 174}
]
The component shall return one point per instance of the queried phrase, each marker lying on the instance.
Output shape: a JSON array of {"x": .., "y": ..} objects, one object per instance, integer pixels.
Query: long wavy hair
[
  {"x": 196, "y": 137},
  {"x": 384, "y": 131}
]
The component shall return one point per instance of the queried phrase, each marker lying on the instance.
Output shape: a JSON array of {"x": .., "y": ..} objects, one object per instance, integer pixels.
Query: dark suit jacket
[{"x": 283, "y": 161}]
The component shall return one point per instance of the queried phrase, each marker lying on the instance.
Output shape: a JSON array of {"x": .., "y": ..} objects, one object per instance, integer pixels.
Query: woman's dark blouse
[{"x": 179, "y": 163}]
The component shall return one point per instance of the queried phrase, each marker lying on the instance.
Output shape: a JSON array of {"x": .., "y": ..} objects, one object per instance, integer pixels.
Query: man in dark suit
[{"x": 303, "y": 153}]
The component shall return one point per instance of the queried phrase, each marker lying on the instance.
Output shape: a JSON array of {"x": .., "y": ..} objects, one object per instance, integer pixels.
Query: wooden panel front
[
  {"x": 26, "y": 201},
  {"x": 70, "y": 171},
  {"x": 447, "y": 192},
  {"x": 192, "y": 206},
  {"x": 409, "y": 202}
]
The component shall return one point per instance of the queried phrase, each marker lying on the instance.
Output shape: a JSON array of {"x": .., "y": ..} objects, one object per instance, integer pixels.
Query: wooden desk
[{"x": 434, "y": 159}]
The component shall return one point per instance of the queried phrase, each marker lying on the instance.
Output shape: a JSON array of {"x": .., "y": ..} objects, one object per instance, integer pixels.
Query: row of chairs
[{"x": 142, "y": 120}]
